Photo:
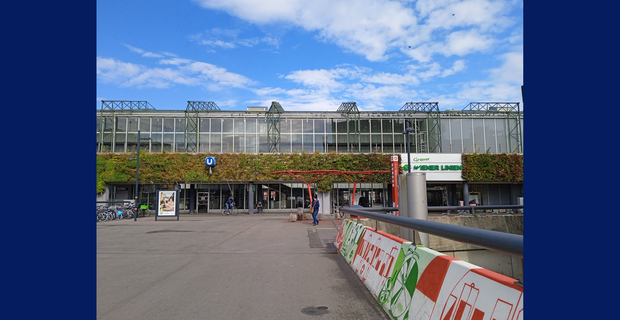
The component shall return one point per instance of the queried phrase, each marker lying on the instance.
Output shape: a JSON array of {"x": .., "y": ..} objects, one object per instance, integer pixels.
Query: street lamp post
[
  {"x": 136, "y": 199},
  {"x": 406, "y": 133}
]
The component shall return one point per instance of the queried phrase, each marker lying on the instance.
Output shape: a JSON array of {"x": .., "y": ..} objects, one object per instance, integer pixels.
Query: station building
[{"x": 436, "y": 138}]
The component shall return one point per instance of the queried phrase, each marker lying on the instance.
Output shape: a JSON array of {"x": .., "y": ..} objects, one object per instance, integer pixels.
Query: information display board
[{"x": 167, "y": 204}]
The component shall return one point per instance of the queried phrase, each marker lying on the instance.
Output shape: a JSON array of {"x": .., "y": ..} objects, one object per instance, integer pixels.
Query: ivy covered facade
[{"x": 249, "y": 145}]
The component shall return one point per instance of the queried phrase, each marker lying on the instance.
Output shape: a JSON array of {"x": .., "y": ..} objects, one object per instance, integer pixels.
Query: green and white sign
[{"x": 437, "y": 166}]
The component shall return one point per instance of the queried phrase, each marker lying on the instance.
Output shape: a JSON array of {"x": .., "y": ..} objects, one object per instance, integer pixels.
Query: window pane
[
  {"x": 205, "y": 125},
  {"x": 319, "y": 125},
  {"x": 468, "y": 139},
  {"x": 121, "y": 124},
  {"x": 297, "y": 146},
  {"x": 216, "y": 125},
  {"x": 399, "y": 143},
  {"x": 375, "y": 143},
  {"x": 297, "y": 124},
  {"x": 445, "y": 136},
  {"x": 479, "y": 136},
  {"x": 227, "y": 125},
  {"x": 179, "y": 125},
  {"x": 399, "y": 126},
  {"x": 330, "y": 126},
  {"x": 262, "y": 126},
  {"x": 227, "y": 142},
  {"x": 331, "y": 142},
  {"x": 341, "y": 126},
  {"x": 239, "y": 143},
  {"x": 216, "y": 142},
  {"x": 455, "y": 136},
  {"x": 285, "y": 126},
  {"x": 132, "y": 139},
  {"x": 387, "y": 126},
  {"x": 364, "y": 126},
  {"x": 180, "y": 142},
  {"x": 168, "y": 125},
  {"x": 364, "y": 143},
  {"x": 308, "y": 125},
  {"x": 388, "y": 143},
  {"x": 156, "y": 142},
  {"x": 168, "y": 140},
  {"x": 502, "y": 136},
  {"x": 145, "y": 124},
  {"x": 489, "y": 133},
  {"x": 250, "y": 125},
  {"x": 157, "y": 125},
  {"x": 239, "y": 125},
  {"x": 285, "y": 143},
  {"x": 203, "y": 143},
  {"x": 119, "y": 142},
  {"x": 375, "y": 126},
  {"x": 250, "y": 144},
  {"x": 319, "y": 143},
  {"x": 342, "y": 143},
  {"x": 132, "y": 125},
  {"x": 263, "y": 145},
  {"x": 308, "y": 143}
]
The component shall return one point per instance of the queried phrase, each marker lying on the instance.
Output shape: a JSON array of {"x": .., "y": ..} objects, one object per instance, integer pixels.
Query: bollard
[{"x": 417, "y": 200}]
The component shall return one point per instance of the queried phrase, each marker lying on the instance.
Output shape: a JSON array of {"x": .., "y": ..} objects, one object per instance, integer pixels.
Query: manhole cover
[{"x": 315, "y": 311}]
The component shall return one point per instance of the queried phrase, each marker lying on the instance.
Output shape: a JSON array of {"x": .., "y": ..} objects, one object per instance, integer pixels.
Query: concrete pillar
[
  {"x": 192, "y": 198},
  {"x": 465, "y": 193},
  {"x": 251, "y": 198},
  {"x": 403, "y": 207}
]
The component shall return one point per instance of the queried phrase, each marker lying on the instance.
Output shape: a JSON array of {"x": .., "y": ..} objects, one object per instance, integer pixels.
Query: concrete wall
[{"x": 415, "y": 282}]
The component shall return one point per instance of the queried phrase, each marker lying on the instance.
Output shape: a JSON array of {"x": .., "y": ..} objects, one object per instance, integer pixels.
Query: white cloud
[
  {"x": 461, "y": 43},
  {"x": 144, "y": 53},
  {"x": 218, "y": 43},
  {"x": 458, "y": 65},
  {"x": 511, "y": 71},
  {"x": 373, "y": 28},
  {"x": 317, "y": 78},
  {"x": 114, "y": 71},
  {"x": 183, "y": 72}
]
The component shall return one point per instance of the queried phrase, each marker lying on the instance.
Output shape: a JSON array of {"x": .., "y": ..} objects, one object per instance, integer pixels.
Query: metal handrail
[
  {"x": 446, "y": 208},
  {"x": 506, "y": 243}
]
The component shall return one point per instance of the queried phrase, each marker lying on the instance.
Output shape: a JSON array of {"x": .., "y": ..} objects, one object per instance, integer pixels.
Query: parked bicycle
[{"x": 144, "y": 211}]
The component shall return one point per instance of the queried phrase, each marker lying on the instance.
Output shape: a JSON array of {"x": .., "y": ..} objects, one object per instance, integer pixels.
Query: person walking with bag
[{"x": 315, "y": 211}]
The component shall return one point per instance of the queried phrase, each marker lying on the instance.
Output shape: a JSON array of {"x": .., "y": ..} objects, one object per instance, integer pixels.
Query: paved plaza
[{"x": 209, "y": 266}]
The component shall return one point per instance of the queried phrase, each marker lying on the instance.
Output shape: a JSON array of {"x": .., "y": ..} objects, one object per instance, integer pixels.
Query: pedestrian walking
[{"x": 315, "y": 211}]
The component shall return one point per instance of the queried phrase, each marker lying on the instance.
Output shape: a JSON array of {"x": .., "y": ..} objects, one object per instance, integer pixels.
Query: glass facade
[{"x": 305, "y": 132}]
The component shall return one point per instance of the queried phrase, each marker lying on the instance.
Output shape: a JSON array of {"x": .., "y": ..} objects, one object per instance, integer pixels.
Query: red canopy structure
[{"x": 315, "y": 174}]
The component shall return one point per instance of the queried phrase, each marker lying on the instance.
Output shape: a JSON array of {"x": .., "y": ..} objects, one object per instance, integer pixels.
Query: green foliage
[
  {"x": 191, "y": 168},
  {"x": 487, "y": 167}
]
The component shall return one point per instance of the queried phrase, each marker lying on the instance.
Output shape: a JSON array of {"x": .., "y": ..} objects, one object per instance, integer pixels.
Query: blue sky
[{"x": 309, "y": 55}]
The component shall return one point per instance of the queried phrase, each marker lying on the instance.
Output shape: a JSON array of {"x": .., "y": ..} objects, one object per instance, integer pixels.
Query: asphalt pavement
[{"x": 209, "y": 266}]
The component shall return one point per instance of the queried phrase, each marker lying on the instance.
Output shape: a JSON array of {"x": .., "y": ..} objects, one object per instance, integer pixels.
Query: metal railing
[{"x": 506, "y": 243}]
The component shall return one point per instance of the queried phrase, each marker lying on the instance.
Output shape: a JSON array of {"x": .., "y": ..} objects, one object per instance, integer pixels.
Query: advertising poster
[
  {"x": 374, "y": 259},
  {"x": 167, "y": 203}
]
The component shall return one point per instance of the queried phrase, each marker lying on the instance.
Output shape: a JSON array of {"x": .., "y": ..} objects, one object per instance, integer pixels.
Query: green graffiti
[{"x": 396, "y": 294}]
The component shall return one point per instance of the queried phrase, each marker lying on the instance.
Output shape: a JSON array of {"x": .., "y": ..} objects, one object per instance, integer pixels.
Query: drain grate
[
  {"x": 166, "y": 230},
  {"x": 313, "y": 237},
  {"x": 315, "y": 311}
]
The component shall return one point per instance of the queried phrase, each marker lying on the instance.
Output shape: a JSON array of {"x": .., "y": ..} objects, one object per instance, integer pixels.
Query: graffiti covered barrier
[{"x": 414, "y": 282}]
